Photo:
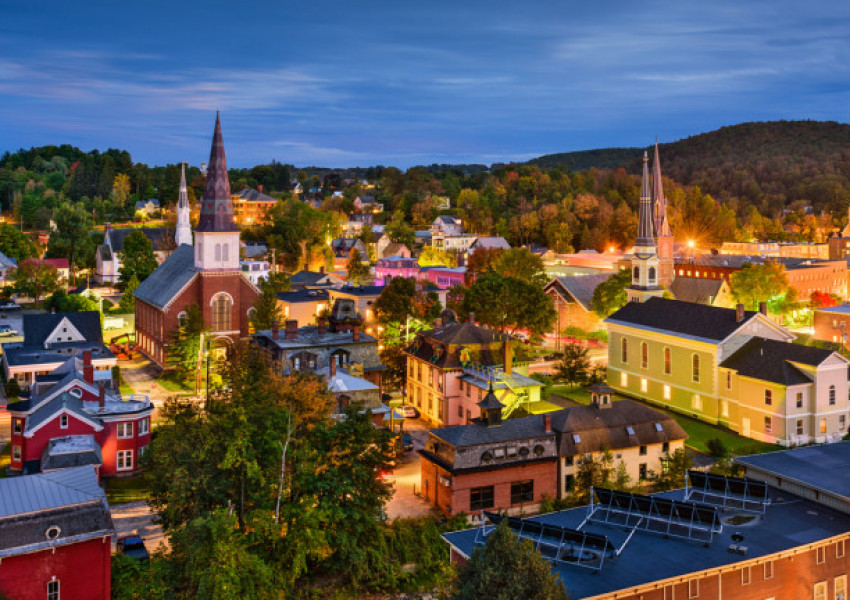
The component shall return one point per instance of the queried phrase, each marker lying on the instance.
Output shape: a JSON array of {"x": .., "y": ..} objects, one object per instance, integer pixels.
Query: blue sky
[{"x": 347, "y": 83}]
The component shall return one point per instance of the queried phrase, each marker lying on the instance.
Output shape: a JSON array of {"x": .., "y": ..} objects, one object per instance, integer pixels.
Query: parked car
[
  {"x": 6, "y": 330},
  {"x": 134, "y": 547},
  {"x": 408, "y": 411},
  {"x": 407, "y": 442},
  {"x": 113, "y": 322},
  {"x": 9, "y": 306}
]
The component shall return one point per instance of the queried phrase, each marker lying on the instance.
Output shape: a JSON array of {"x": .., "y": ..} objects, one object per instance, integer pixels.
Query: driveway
[
  {"x": 405, "y": 502},
  {"x": 137, "y": 518}
]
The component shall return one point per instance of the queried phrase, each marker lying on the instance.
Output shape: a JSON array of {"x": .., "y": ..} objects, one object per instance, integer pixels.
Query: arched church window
[
  {"x": 225, "y": 252},
  {"x": 181, "y": 319},
  {"x": 636, "y": 273},
  {"x": 651, "y": 274},
  {"x": 221, "y": 309},
  {"x": 218, "y": 252}
]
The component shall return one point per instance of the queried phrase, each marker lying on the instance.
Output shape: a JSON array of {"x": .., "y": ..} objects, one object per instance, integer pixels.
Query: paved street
[
  {"x": 405, "y": 503},
  {"x": 137, "y": 518}
]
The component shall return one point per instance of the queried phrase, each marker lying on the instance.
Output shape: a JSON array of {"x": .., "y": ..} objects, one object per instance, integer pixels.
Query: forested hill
[{"x": 772, "y": 165}]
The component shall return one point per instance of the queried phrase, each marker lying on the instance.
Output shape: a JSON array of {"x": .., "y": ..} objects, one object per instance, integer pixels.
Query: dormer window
[
  {"x": 63, "y": 421},
  {"x": 630, "y": 430},
  {"x": 76, "y": 392},
  {"x": 576, "y": 438}
]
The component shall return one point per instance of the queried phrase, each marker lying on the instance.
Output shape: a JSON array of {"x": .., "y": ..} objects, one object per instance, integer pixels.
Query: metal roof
[{"x": 43, "y": 491}]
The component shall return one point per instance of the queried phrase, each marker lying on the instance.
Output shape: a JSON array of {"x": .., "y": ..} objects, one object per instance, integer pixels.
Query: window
[
  {"x": 644, "y": 355},
  {"x": 820, "y": 591},
  {"x": 221, "y": 309},
  {"x": 745, "y": 576},
  {"x": 768, "y": 397},
  {"x": 522, "y": 491},
  {"x": 842, "y": 422},
  {"x": 125, "y": 430},
  {"x": 768, "y": 424},
  {"x": 651, "y": 274},
  {"x": 16, "y": 453},
  {"x": 17, "y": 425},
  {"x": 695, "y": 368},
  {"x": 481, "y": 498},
  {"x": 124, "y": 460},
  {"x": 499, "y": 453},
  {"x": 569, "y": 460},
  {"x": 569, "y": 482},
  {"x": 643, "y": 385},
  {"x": 822, "y": 426},
  {"x": 820, "y": 555},
  {"x": 63, "y": 421},
  {"x": 624, "y": 380},
  {"x": 667, "y": 392},
  {"x": 724, "y": 408},
  {"x": 768, "y": 570},
  {"x": 693, "y": 588},
  {"x": 831, "y": 395},
  {"x": 468, "y": 389},
  {"x": 839, "y": 549},
  {"x": 636, "y": 273},
  {"x": 340, "y": 357},
  {"x": 841, "y": 587},
  {"x": 799, "y": 399},
  {"x": 181, "y": 319},
  {"x": 800, "y": 427},
  {"x": 459, "y": 411},
  {"x": 624, "y": 350},
  {"x": 728, "y": 380},
  {"x": 642, "y": 471},
  {"x": 665, "y": 447},
  {"x": 642, "y": 451},
  {"x": 696, "y": 402},
  {"x": 53, "y": 590},
  {"x": 144, "y": 426}
]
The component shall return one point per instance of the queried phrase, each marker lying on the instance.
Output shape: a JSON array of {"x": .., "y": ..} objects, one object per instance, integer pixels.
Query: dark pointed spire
[
  {"x": 659, "y": 201},
  {"x": 645, "y": 236},
  {"x": 216, "y": 206}
]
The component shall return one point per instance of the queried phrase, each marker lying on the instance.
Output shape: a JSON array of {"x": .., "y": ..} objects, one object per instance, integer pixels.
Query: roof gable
[
  {"x": 38, "y": 328},
  {"x": 169, "y": 278}
]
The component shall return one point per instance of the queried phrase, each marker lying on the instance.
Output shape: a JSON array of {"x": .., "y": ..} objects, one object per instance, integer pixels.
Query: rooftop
[
  {"x": 581, "y": 287},
  {"x": 789, "y": 522},
  {"x": 695, "y": 289},
  {"x": 305, "y": 295},
  {"x": 815, "y": 466},
  {"x": 770, "y": 360},
  {"x": 844, "y": 309}
]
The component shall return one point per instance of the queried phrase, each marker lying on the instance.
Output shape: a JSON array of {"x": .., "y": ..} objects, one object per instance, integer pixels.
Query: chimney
[
  {"x": 101, "y": 394},
  {"x": 291, "y": 329},
  {"x": 260, "y": 188},
  {"x": 547, "y": 423},
  {"x": 88, "y": 368},
  {"x": 471, "y": 318},
  {"x": 356, "y": 333},
  {"x": 739, "y": 313},
  {"x": 508, "y": 356},
  {"x": 274, "y": 330},
  {"x": 322, "y": 270},
  {"x": 332, "y": 367},
  {"x": 322, "y": 325},
  {"x": 763, "y": 308}
]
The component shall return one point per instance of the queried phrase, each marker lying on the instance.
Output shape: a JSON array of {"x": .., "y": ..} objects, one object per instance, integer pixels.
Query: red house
[
  {"x": 207, "y": 274},
  {"x": 71, "y": 419},
  {"x": 55, "y": 536}
]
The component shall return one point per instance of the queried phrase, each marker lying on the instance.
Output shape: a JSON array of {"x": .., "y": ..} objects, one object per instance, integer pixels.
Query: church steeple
[
  {"x": 644, "y": 258},
  {"x": 659, "y": 202},
  {"x": 217, "y": 206},
  {"x": 183, "y": 232},
  {"x": 217, "y": 236}
]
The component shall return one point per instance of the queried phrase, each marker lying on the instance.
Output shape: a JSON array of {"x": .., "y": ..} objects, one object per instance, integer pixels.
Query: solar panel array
[
  {"x": 560, "y": 544},
  {"x": 738, "y": 492},
  {"x": 675, "y": 518}
]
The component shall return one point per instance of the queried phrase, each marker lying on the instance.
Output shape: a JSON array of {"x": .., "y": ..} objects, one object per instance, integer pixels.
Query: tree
[
  {"x": 593, "y": 471},
  {"x": 610, "y": 295},
  {"x": 521, "y": 264},
  {"x": 436, "y": 257},
  {"x": 71, "y": 235},
  {"x": 403, "y": 297},
  {"x": 399, "y": 231},
  {"x": 508, "y": 304},
  {"x": 266, "y": 309},
  {"x": 507, "y": 568},
  {"x": 358, "y": 273},
  {"x": 754, "y": 283},
  {"x": 15, "y": 244},
  {"x": 121, "y": 188},
  {"x": 61, "y": 301},
  {"x": 137, "y": 257},
  {"x": 128, "y": 301},
  {"x": 574, "y": 366},
  {"x": 482, "y": 261},
  {"x": 674, "y": 469},
  {"x": 184, "y": 349},
  {"x": 36, "y": 279}
]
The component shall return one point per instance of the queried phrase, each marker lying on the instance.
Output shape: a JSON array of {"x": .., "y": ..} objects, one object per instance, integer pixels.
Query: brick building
[
  {"x": 250, "y": 207},
  {"x": 55, "y": 536},
  {"x": 207, "y": 274},
  {"x": 70, "y": 418},
  {"x": 830, "y": 324},
  {"x": 745, "y": 539},
  {"x": 571, "y": 297}
]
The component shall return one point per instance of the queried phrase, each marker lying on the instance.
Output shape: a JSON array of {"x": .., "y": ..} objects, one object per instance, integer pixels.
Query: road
[
  {"x": 137, "y": 518},
  {"x": 405, "y": 502}
]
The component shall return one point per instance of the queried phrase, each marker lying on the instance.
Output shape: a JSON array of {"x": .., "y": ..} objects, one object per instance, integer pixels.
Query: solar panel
[
  {"x": 556, "y": 543},
  {"x": 743, "y": 493},
  {"x": 677, "y": 518}
]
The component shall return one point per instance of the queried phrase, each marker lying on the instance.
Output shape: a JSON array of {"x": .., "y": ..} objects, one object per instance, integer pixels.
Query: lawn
[
  {"x": 126, "y": 489},
  {"x": 698, "y": 432},
  {"x": 173, "y": 386}
]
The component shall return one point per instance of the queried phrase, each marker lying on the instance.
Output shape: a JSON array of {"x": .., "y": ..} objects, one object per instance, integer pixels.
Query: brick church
[{"x": 206, "y": 273}]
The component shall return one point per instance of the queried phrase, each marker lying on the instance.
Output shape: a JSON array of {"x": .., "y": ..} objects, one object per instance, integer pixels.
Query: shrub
[{"x": 717, "y": 448}]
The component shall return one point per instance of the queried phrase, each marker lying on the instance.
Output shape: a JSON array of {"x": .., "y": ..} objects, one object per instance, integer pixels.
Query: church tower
[
  {"x": 183, "y": 233},
  {"x": 644, "y": 260},
  {"x": 217, "y": 236},
  {"x": 664, "y": 237}
]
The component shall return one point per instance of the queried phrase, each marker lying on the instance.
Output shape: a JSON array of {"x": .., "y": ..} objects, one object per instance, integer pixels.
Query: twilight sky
[{"x": 395, "y": 82}]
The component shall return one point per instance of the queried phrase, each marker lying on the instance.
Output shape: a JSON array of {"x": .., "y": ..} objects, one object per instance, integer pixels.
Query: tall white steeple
[
  {"x": 644, "y": 260},
  {"x": 183, "y": 233}
]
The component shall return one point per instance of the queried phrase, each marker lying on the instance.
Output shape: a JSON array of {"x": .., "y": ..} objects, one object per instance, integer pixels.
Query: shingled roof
[
  {"x": 770, "y": 360},
  {"x": 696, "y": 289},
  {"x": 169, "y": 278},
  {"x": 37, "y": 328},
  {"x": 683, "y": 318},
  {"x": 581, "y": 287},
  {"x": 434, "y": 345}
]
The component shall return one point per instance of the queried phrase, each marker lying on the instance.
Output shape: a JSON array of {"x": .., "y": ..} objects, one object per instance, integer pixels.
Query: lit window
[
  {"x": 822, "y": 426},
  {"x": 668, "y": 361},
  {"x": 643, "y": 385},
  {"x": 644, "y": 355},
  {"x": 696, "y": 402},
  {"x": 221, "y": 309},
  {"x": 799, "y": 399},
  {"x": 724, "y": 408},
  {"x": 695, "y": 368},
  {"x": 17, "y": 425},
  {"x": 667, "y": 393},
  {"x": 768, "y": 424},
  {"x": 16, "y": 453},
  {"x": 624, "y": 380}
]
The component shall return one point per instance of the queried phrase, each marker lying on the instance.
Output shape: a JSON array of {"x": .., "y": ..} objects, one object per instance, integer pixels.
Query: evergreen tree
[
  {"x": 137, "y": 257},
  {"x": 574, "y": 366},
  {"x": 266, "y": 311},
  {"x": 184, "y": 348},
  {"x": 128, "y": 302},
  {"x": 508, "y": 568},
  {"x": 358, "y": 272}
]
